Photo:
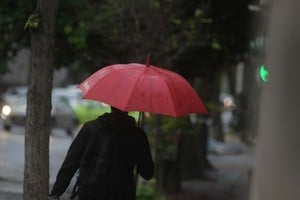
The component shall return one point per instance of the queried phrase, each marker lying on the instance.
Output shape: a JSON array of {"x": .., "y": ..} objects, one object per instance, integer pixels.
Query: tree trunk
[
  {"x": 190, "y": 155},
  {"x": 218, "y": 132},
  {"x": 251, "y": 96},
  {"x": 277, "y": 165},
  {"x": 38, "y": 121}
]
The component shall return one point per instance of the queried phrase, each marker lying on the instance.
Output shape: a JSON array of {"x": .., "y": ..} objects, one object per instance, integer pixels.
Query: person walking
[{"x": 105, "y": 152}]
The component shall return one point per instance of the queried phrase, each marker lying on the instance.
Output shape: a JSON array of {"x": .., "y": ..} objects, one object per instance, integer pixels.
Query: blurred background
[{"x": 217, "y": 45}]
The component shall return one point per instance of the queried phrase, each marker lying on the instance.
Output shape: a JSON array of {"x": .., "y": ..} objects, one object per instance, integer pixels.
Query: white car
[
  {"x": 62, "y": 115},
  {"x": 71, "y": 94},
  {"x": 12, "y": 93}
]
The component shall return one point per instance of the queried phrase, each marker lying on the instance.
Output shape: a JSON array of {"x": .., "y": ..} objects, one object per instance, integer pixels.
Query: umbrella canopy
[{"x": 139, "y": 87}]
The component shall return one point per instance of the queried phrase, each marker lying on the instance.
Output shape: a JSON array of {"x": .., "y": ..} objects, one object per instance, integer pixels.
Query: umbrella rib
[
  {"x": 171, "y": 94},
  {"x": 166, "y": 81},
  {"x": 125, "y": 105}
]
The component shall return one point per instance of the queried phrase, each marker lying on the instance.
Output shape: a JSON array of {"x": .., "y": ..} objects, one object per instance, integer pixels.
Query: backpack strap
[{"x": 89, "y": 147}]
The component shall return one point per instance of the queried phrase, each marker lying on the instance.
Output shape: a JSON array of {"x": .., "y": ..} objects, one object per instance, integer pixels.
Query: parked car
[
  {"x": 84, "y": 109},
  {"x": 71, "y": 94},
  {"x": 12, "y": 92},
  {"x": 13, "y": 111},
  {"x": 62, "y": 115}
]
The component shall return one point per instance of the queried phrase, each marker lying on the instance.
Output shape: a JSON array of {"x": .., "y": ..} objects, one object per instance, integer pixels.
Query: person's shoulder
[
  {"x": 91, "y": 122},
  {"x": 139, "y": 129},
  {"x": 140, "y": 132},
  {"x": 97, "y": 121}
]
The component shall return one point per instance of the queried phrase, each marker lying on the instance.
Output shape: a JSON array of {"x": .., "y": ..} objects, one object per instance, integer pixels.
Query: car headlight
[{"x": 6, "y": 110}]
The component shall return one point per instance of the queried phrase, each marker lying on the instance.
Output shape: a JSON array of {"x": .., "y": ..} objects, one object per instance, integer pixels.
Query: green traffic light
[{"x": 263, "y": 73}]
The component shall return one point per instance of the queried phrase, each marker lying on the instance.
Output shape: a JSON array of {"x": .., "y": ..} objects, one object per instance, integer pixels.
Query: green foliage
[
  {"x": 214, "y": 107},
  {"x": 147, "y": 191},
  {"x": 221, "y": 37},
  {"x": 170, "y": 134},
  {"x": 216, "y": 45},
  {"x": 186, "y": 36},
  {"x": 78, "y": 36},
  {"x": 191, "y": 37},
  {"x": 13, "y": 15},
  {"x": 32, "y": 22}
]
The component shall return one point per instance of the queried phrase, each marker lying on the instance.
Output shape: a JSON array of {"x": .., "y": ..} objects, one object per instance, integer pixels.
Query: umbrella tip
[{"x": 148, "y": 60}]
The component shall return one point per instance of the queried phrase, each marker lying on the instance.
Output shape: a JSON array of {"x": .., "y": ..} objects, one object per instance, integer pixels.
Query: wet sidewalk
[{"x": 228, "y": 182}]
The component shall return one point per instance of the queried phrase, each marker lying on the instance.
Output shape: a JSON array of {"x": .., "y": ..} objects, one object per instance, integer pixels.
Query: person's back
[{"x": 113, "y": 147}]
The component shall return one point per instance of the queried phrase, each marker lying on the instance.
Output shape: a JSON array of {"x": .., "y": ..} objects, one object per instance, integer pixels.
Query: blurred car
[
  {"x": 13, "y": 111},
  {"x": 13, "y": 92},
  {"x": 84, "y": 109},
  {"x": 62, "y": 115},
  {"x": 71, "y": 93}
]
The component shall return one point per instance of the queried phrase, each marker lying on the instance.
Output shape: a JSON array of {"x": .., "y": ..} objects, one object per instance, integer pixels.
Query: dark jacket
[{"x": 133, "y": 151}]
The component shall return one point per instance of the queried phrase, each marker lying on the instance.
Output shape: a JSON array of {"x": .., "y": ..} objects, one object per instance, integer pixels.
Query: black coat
[{"x": 133, "y": 150}]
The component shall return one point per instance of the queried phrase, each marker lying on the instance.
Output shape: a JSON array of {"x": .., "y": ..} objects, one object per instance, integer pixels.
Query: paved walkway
[{"x": 228, "y": 182}]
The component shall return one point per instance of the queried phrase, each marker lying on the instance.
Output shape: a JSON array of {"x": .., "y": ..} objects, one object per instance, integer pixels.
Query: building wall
[{"x": 19, "y": 68}]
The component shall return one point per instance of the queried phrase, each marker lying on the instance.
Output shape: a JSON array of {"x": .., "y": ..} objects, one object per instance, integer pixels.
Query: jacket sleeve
[
  {"x": 71, "y": 162},
  {"x": 145, "y": 164}
]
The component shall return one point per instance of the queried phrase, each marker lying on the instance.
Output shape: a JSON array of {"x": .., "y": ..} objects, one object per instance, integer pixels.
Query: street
[{"x": 12, "y": 159}]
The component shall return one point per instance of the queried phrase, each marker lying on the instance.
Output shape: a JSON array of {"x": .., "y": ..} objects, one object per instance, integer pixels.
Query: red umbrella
[{"x": 139, "y": 87}]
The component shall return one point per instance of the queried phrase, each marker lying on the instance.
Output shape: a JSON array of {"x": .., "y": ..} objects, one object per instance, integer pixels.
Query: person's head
[{"x": 117, "y": 111}]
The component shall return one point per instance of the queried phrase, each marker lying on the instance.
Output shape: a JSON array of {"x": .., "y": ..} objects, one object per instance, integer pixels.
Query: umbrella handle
[{"x": 148, "y": 60}]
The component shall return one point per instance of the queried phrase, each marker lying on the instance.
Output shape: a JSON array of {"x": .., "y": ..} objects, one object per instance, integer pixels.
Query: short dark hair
[{"x": 116, "y": 110}]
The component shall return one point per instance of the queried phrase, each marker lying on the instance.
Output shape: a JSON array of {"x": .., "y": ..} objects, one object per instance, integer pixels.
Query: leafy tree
[
  {"x": 219, "y": 41},
  {"x": 12, "y": 17},
  {"x": 195, "y": 38},
  {"x": 191, "y": 37}
]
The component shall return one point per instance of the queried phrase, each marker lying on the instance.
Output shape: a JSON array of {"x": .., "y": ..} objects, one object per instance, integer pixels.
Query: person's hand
[{"x": 53, "y": 198}]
